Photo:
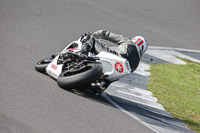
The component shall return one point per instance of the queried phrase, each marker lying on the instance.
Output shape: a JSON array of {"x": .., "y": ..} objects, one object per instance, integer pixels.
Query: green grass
[{"x": 177, "y": 88}]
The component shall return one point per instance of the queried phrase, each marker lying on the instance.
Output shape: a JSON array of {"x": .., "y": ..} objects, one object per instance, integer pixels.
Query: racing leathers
[{"x": 126, "y": 48}]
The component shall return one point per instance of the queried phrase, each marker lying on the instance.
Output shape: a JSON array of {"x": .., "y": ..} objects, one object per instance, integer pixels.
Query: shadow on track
[{"x": 90, "y": 95}]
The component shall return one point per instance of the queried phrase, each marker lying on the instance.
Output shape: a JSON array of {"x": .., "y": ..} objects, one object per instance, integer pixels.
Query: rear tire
[
  {"x": 80, "y": 78},
  {"x": 41, "y": 65}
]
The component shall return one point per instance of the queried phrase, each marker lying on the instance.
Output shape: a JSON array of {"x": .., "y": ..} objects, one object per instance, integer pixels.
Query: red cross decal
[{"x": 119, "y": 67}]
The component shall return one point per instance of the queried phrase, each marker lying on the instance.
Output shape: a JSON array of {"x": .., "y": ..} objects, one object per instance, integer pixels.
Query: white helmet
[{"x": 141, "y": 43}]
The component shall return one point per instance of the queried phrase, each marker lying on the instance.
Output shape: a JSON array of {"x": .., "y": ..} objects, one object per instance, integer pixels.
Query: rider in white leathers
[{"x": 132, "y": 50}]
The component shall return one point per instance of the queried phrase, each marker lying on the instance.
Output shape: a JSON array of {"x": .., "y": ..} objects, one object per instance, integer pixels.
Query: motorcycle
[{"x": 73, "y": 70}]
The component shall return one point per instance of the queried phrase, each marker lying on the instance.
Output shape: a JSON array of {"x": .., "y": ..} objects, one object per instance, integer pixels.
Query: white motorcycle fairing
[
  {"x": 114, "y": 67},
  {"x": 53, "y": 69}
]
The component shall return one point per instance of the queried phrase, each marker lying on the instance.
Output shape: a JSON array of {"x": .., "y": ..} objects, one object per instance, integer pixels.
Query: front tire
[
  {"x": 41, "y": 65},
  {"x": 80, "y": 78}
]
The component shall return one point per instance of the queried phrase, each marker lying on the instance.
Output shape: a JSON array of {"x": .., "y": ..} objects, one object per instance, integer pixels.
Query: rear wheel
[
  {"x": 41, "y": 65},
  {"x": 79, "y": 77}
]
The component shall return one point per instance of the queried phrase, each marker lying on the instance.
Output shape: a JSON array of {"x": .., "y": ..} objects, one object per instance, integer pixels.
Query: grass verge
[{"x": 177, "y": 88}]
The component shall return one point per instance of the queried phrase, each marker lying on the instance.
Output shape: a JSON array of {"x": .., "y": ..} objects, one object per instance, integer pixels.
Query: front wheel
[
  {"x": 80, "y": 77},
  {"x": 41, "y": 65}
]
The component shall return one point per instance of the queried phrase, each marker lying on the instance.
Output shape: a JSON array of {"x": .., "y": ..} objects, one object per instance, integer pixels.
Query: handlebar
[{"x": 72, "y": 55}]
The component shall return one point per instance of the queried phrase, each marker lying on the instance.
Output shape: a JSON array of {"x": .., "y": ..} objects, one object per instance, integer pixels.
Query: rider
[{"x": 132, "y": 50}]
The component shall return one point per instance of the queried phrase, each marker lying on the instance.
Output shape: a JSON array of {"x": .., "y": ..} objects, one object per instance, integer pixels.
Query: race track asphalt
[{"x": 34, "y": 29}]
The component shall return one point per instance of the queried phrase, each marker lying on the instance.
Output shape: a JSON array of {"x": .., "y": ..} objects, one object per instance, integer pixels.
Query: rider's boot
[{"x": 99, "y": 88}]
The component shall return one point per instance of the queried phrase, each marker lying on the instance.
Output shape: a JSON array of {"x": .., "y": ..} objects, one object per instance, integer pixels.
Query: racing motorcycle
[{"x": 74, "y": 70}]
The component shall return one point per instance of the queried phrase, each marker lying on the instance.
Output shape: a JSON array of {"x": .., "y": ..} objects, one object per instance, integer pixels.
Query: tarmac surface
[{"x": 34, "y": 29}]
